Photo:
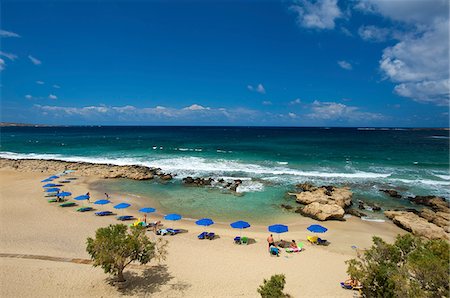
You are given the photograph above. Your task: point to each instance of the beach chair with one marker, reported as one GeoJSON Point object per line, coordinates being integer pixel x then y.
{"type": "Point", "coordinates": [162, 232]}
{"type": "Point", "coordinates": [54, 200]}
{"type": "Point", "coordinates": [67, 204]}
{"type": "Point", "coordinates": [274, 251]}
{"type": "Point", "coordinates": [244, 240]}
{"type": "Point", "coordinates": [84, 209]}
{"type": "Point", "coordinates": [173, 231]}
{"type": "Point", "coordinates": [237, 240]}
{"type": "Point", "coordinates": [210, 236]}
{"type": "Point", "coordinates": [103, 213]}
{"type": "Point", "coordinates": [202, 235]}
{"type": "Point", "coordinates": [125, 217]}
{"type": "Point", "coordinates": [312, 239]}
{"type": "Point", "coordinates": [322, 241]}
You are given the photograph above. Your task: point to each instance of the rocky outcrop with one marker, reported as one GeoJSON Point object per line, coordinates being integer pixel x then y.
{"type": "Point", "coordinates": [134, 172]}
{"type": "Point", "coordinates": [166, 177]}
{"type": "Point", "coordinates": [323, 203]}
{"type": "Point", "coordinates": [436, 203]}
{"type": "Point", "coordinates": [441, 219]}
{"type": "Point", "coordinates": [367, 206]}
{"type": "Point", "coordinates": [320, 211]}
{"type": "Point", "coordinates": [355, 212]}
{"type": "Point", "coordinates": [392, 193]}
{"type": "Point", "coordinates": [287, 207]}
{"type": "Point", "coordinates": [417, 225]}
{"type": "Point", "coordinates": [199, 181]}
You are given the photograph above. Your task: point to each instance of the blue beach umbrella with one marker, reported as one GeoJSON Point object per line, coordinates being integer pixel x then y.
{"type": "Point", "coordinates": [172, 216]}
{"type": "Point", "coordinates": [47, 180]}
{"type": "Point", "coordinates": [147, 210]}
{"type": "Point", "coordinates": [53, 177]}
{"type": "Point", "coordinates": [64, 194]}
{"type": "Point", "coordinates": [278, 228]}
{"type": "Point", "coordinates": [50, 185]}
{"type": "Point", "coordinates": [82, 197]}
{"type": "Point", "coordinates": [317, 229]}
{"type": "Point", "coordinates": [122, 206]}
{"type": "Point", "coordinates": [102, 202]}
{"type": "Point", "coordinates": [204, 222]}
{"type": "Point", "coordinates": [240, 225]}
{"type": "Point", "coordinates": [52, 189]}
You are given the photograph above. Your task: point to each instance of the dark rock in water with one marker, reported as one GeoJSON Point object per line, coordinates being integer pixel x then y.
{"type": "Point", "coordinates": [392, 193]}
{"type": "Point", "coordinates": [166, 177]}
{"type": "Point", "coordinates": [238, 181]}
{"type": "Point", "coordinates": [234, 186]}
{"type": "Point", "coordinates": [287, 207]}
{"type": "Point", "coordinates": [228, 184]}
{"type": "Point", "coordinates": [355, 212]}
{"type": "Point", "coordinates": [305, 186]}
{"type": "Point", "coordinates": [188, 180]}
{"type": "Point", "coordinates": [361, 205]}
{"type": "Point", "coordinates": [298, 210]}
{"type": "Point", "coordinates": [435, 202]}
{"type": "Point", "coordinates": [221, 180]}
{"type": "Point", "coordinates": [375, 207]}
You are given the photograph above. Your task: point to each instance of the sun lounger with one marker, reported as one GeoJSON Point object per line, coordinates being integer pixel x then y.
{"type": "Point", "coordinates": [162, 232]}
{"type": "Point", "coordinates": [210, 236]}
{"type": "Point", "coordinates": [244, 240]}
{"type": "Point", "coordinates": [103, 213]}
{"type": "Point", "coordinates": [173, 231]}
{"type": "Point", "coordinates": [64, 181]}
{"type": "Point", "coordinates": [312, 239]}
{"type": "Point", "coordinates": [202, 235]}
{"type": "Point", "coordinates": [67, 204]}
{"type": "Point", "coordinates": [50, 195]}
{"type": "Point", "coordinates": [54, 200]}
{"type": "Point", "coordinates": [84, 209]}
{"type": "Point", "coordinates": [237, 240]}
{"type": "Point", "coordinates": [125, 217]}
{"type": "Point", "coordinates": [322, 241]}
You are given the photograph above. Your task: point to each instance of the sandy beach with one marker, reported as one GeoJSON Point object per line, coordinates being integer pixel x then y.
{"type": "Point", "coordinates": [39, 241]}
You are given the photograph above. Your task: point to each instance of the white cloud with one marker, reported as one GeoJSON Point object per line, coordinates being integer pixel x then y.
{"type": "Point", "coordinates": [4, 33]}
{"type": "Point", "coordinates": [320, 14]}
{"type": "Point", "coordinates": [346, 32]}
{"type": "Point", "coordinates": [196, 107]}
{"type": "Point", "coordinates": [56, 86]}
{"type": "Point", "coordinates": [259, 88]}
{"type": "Point", "coordinates": [2, 64]}
{"type": "Point", "coordinates": [10, 56]}
{"type": "Point", "coordinates": [292, 115]}
{"type": "Point", "coordinates": [28, 96]}
{"type": "Point", "coordinates": [52, 96]}
{"type": "Point", "coordinates": [345, 65]}
{"type": "Point", "coordinates": [40, 82]}
{"type": "Point", "coordinates": [419, 65]}
{"type": "Point", "coordinates": [338, 111]}
{"type": "Point", "coordinates": [296, 101]}
{"type": "Point", "coordinates": [373, 33]}
{"type": "Point", "coordinates": [267, 103]}
{"type": "Point", "coordinates": [34, 60]}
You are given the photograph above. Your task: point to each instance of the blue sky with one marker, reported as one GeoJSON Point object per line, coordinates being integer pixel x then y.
{"type": "Point", "coordinates": [290, 63]}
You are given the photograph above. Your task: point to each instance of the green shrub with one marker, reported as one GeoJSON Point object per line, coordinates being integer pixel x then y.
{"type": "Point", "coordinates": [410, 267]}
{"type": "Point", "coordinates": [114, 248]}
{"type": "Point", "coordinates": [273, 288]}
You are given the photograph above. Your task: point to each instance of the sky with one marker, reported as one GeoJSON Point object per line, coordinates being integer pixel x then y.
{"type": "Point", "coordinates": [263, 63]}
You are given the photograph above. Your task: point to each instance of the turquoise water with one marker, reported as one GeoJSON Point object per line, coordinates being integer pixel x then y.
{"type": "Point", "coordinates": [270, 161]}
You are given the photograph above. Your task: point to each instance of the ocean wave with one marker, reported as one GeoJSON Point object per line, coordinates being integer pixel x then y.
{"type": "Point", "coordinates": [439, 137]}
{"type": "Point", "coordinates": [445, 177]}
{"type": "Point", "coordinates": [422, 181]}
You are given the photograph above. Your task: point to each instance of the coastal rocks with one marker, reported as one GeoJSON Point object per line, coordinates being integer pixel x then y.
{"type": "Point", "coordinates": [441, 219]}
{"type": "Point", "coordinates": [417, 225]}
{"type": "Point", "coordinates": [166, 177]}
{"type": "Point", "coordinates": [436, 203]}
{"type": "Point", "coordinates": [323, 203]}
{"type": "Point", "coordinates": [392, 193]}
{"type": "Point", "coordinates": [199, 181]}
{"type": "Point", "coordinates": [287, 207]}
{"type": "Point", "coordinates": [368, 206]}
{"type": "Point", "coordinates": [356, 212]}
{"type": "Point", "coordinates": [134, 172]}
{"type": "Point", "coordinates": [323, 212]}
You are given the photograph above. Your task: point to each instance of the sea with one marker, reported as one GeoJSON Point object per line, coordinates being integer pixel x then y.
{"type": "Point", "coordinates": [269, 160]}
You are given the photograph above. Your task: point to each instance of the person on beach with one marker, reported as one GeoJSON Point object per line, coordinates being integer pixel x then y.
{"type": "Point", "coordinates": [145, 219]}
{"type": "Point", "coordinates": [107, 196]}
{"type": "Point", "coordinates": [293, 244]}
{"type": "Point", "coordinates": [270, 240]}
{"type": "Point", "coordinates": [89, 196]}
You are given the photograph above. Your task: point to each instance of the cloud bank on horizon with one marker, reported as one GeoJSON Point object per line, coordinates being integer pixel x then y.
{"type": "Point", "coordinates": [317, 63]}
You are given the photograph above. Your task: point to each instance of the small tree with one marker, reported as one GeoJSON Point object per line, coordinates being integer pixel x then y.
{"type": "Point", "coordinates": [408, 268]}
{"type": "Point", "coordinates": [114, 248]}
{"type": "Point", "coordinates": [273, 288]}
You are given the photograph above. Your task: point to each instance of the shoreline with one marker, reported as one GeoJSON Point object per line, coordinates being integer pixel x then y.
{"type": "Point", "coordinates": [41, 228]}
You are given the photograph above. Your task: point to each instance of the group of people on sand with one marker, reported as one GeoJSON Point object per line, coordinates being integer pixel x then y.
{"type": "Point", "coordinates": [275, 250]}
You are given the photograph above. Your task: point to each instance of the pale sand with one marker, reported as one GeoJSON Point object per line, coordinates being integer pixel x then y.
{"type": "Point", "coordinates": [194, 268]}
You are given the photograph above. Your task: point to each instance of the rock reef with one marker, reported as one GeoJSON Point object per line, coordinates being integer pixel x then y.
{"type": "Point", "coordinates": [323, 203]}
{"type": "Point", "coordinates": [134, 172]}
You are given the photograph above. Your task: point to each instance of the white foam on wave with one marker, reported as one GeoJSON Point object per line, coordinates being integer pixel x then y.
{"type": "Point", "coordinates": [423, 181]}
{"type": "Point", "coordinates": [445, 177]}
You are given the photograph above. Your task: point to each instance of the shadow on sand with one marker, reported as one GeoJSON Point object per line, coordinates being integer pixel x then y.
{"type": "Point", "coordinates": [149, 281]}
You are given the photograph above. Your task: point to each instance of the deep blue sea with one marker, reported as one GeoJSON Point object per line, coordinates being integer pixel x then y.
{"type": "Point", "coordinates": [270, 161]}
